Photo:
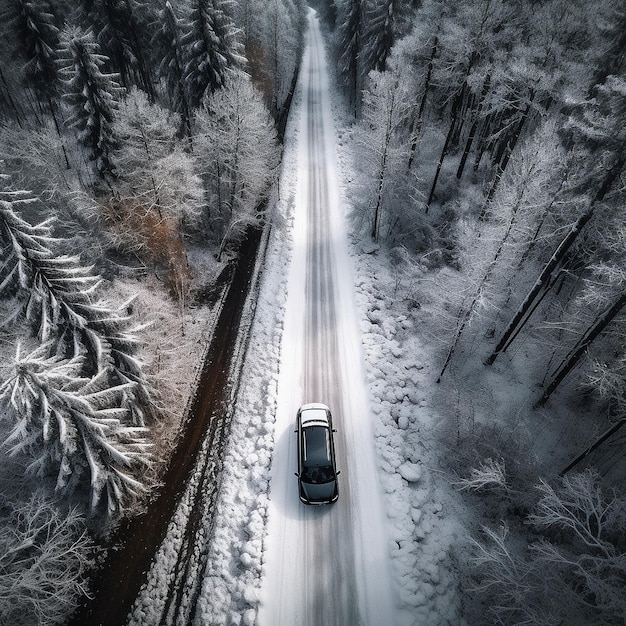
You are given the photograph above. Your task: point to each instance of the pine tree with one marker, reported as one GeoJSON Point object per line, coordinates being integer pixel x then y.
{"type": "Point", "coordinates": [121, 30]}
{"type": "Point", "coordinates": [351, 31]}
{"type": "Point", "coordinates": [212, 49]}
{"type": "Point", "coordinates": [384, 24]}
{"type": "Point", "coordinates": [91, 94]}
{"type": "Point", "coordinates": [34, 26]}
{"type": "Point", "coordinates": [169, 48]}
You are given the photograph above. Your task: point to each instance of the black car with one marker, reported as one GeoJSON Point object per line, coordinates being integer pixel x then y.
{"type": "Point", "coordinates": [317, 473]}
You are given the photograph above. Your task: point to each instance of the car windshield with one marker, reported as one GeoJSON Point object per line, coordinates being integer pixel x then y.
{"type": "Point", "coordinates": [316, 465]}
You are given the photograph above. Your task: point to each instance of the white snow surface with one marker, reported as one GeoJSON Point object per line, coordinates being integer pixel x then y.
{"type": "Point", "coordinates": [405, 518]}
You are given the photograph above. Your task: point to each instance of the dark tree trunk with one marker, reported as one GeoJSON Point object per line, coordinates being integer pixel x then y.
{"type": "Point", "coordinates": [474, 126]}
{"type": "Point", "coordinates": [10, 99]}
{"type": "Point", "coordinates": [416, 122]}
{"type": "Point", "coordinates": [503, 161]}
{"type": "Point", "coordinates": [572, 359]}
{"type": "Point", "coordinates": [541, 285]}
{"type": "Point", "coordinates": [444, 152]}
{"type": "Point", "coordinates": [58, 129]}
{"type": "Point", "coordinates": [596, 444]}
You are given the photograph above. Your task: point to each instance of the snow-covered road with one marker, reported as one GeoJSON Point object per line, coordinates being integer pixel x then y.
{"type": "Point", "coordinates": [326, 565]}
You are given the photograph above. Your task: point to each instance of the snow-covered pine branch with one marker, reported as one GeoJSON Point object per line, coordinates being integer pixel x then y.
{"type": "Point", "coordinates": [57, 296]}
{"type": "Point", "coordinates": [73, 427]}
{"type": "Point", "coordinates": [170, 55]}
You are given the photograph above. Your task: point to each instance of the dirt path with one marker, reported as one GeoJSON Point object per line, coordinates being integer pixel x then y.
{"type": "Point", "coordinates": [118, 581]}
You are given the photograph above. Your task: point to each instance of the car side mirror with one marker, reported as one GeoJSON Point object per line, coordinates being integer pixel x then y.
{"type": "Point", "coordinates": [296, 473]}
{"type": "Point", "coordinates": [337, 473]}
{"type": "Point", "coordinates": [334, 430]}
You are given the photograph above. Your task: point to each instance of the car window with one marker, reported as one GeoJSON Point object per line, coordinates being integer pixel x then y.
{"type": "Point", "coordinates": [316, 448]}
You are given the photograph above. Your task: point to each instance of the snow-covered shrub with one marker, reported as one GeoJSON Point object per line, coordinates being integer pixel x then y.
{"type": "Point", "coordinates": [44, 554]}
{"type": "Point", "coordinates": [573, 573]}
{"type": "Point", "coordinates": [139, 229]}
{"type": "Point", "coordinates": [489, 475]}
{"type": "Point", "coordinates": [152, 166]}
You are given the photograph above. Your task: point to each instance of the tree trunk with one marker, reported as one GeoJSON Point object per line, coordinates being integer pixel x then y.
{"type": "Point", "coordinates": [456, 125]}
{"type": "Point", "coordinates": [599, 441]}
{"type": "Point", "coordinates": [444, 152]}
{"type": "Point", "coordinates": [610, 178]}
{"type": "Point", "coordinates": [572, 359]}
{"type": "Point", "coordinates": [540, 223]}
{"type": "Point", "coordinates": [528, 305]}
{"type": "Point", "coordinates": [10, 99]}
{"type": "Point", "coordinates": [382, 172]}
{"type": "Point", "coordinates": [474, 127]}
{"type": "Point", "coordinates": [479, 291]}
{"type": "Point", "coordinates": [504, 160]}
{"type": "Point", "coordinates": [482, 143]}
{"type": "Point", "coordinates": [416, 122]}
{"type": "Point", "coordinates": [58, 129]}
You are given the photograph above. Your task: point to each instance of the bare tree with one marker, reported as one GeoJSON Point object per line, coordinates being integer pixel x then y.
{"type": "Point", "coordinates": [44, 554]}
{"type": "Point", "coordinates": [238, 137]}
{"type": "Point", "coordinates": [574, 573]}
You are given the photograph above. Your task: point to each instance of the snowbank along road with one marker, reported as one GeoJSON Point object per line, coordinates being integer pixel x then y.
{"type": "Point", "coordinates": [325, 565]}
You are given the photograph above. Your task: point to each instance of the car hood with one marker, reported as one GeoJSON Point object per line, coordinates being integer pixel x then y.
{"type": "Point", "coordinates": [320, 493]}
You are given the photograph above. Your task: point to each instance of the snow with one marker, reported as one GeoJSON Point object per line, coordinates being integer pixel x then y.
{"type": "Point", "coordinates": [422, 521]}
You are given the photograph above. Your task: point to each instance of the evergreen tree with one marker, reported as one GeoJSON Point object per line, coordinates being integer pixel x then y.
{"type": "Point", "coordinates": [169, 48]}
{"type": "Point", "coordinates": [91, 94]}
{"type": "Point", "coordinates": [121, 30]}
{"type": "Point", "coordinates": [350, 35]}
{"type": "Point", "coordinates": [34, 26]}
{"type": "Point", "coordinates": [212, 49]}
{"type": "Point", "coordinates": [385, 22]}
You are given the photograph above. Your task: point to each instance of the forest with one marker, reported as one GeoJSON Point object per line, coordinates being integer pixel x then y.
{"type": "Point", "coordinates": [138, 144]}
{"type": "Point", "coordinates": [140, 139]}
{"type": "Point", "coordinates": [488, 147]}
